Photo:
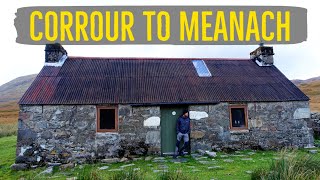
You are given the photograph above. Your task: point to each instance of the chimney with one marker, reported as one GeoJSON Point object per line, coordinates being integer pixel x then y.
{"type": "Point", "coordinates": [263, 55]}
{"type": "Point", "coordinates": [55, 55]}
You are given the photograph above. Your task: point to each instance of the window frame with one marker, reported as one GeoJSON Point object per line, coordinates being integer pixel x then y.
{"type": "Point", "coordinates": [116, 129]}
{"type": "Point", "coordinates": [245, 117]}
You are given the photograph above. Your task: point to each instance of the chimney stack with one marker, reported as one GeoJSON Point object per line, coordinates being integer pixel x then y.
{"type": "Point", "coordinates": [263, 55]}
{"type": "Point", "coordinates": [55, 55]}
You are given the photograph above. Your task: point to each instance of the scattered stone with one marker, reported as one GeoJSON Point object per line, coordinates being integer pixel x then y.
{"type": "Point", "coordinates": [228, 160]}
{"type": "Point", "coordinates": [67, 166]}
{"type": "Point", "coordinates": [127, 165]}
{"type": "Point", "coordinates": [112, 170]}
{"type": "Point", "coordinates": [224, 156]}
{"type": "Point", "coordinates": [238, 155]}
{"type": "Point", "coordinates": [159, 158]}
{"type": "Point", "coordinates": [313, 151]}
{"type": "Point", "coordinates": [137, 159]}
{"type": "Point", "coordinates": [201, 152]}
{"type": "Point", "coordinates": [251, 153]}
{"type": "Point", "coordinates": [54, 164]}
{"type": "Point", "coordinates": [204, 162]}
{"type": "Point", "coordinates": [248, 172]}
{"type": "Point", "coordinates": [34, 166]}
{"type": "Point", "coordinates": [159, 161]}
{"type": "Point", "coordinates": [215, 167]}
{"type": "Point", "coordinates": [238, 152]}
{"type": "Point", "coordinates": [201, 157]}
{"type": "Point", "coordinates": [246, 159]}
{"type": "Point", "coordinates": [163, 167]}
{"type": "Point", "coordinates": [123, 159]}
{"type": "Point", "coordinates": [191, 167]}
{"type": "Point", "coordinates": [103, 167]}
{"type": "Point", "coordinates": [276, 158]}
{"type": "Point", "coordinates": [136, 169]}
{"type": "Point", "coordinates": [110, 160]}
{"type": "Point", "coordinates": [148, 158]}
{"type": "Point", "coordinates": [211, 153]}
{"type": "Point", "coordinates": [49, 170]}
{"type": "Point", "coordinates": [195, 155]}
{"type": "Point", "coordinates": [19, 166]}
{"type": "Point", "coordinates": [180, 160]}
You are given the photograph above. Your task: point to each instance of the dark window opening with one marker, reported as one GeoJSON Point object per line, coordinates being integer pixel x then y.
{"type": "Point", "coordinates": [238, 117]}
{"type": "Point", "coordinates": [107, 120]}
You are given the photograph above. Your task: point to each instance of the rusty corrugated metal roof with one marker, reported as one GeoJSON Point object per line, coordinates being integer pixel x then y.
{"type": "Point", "coordinates": [158, 81]}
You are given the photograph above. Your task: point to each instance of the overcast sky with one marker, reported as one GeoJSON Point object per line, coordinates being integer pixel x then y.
{"type": "Point", "coordinates": [297, 61]}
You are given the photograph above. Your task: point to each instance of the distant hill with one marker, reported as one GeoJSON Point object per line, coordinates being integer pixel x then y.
{"type": "Point", "coordinates": [299, 81]}
{"type": "Point", "coordinates": [311, 87]}
{"type": "Point", "coordinates": [11, 92]}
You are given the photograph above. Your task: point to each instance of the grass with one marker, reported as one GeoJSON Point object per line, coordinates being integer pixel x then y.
{"type": "Point", "coordinates": [190, 170]}
{"type": "Point", "coordinates": [290, 166]}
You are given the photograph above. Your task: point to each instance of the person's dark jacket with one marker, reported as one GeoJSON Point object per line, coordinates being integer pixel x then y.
{"type": "Point", "coordinates": [183, 125]}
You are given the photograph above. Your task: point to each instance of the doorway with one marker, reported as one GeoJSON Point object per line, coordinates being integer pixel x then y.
{"type": "Point", "coordinates": [169, 116]}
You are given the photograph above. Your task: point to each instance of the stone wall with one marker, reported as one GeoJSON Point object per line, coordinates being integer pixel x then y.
{"type": "Point", "coordinates": [270, 126]}
{"type": "Point", "coordinates": [314, 123]}
{"type": "Point", "coordinates": [68, 133]}
{"type": "Point", "coordinates": [50, 134]}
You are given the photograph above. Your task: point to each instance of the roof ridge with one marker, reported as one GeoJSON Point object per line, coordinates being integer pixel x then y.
{"type": "Point", "coordinates": [155, 58]}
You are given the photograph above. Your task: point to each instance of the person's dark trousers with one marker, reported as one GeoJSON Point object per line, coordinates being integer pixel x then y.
{"type": "Point", "coordinates": [185, 138]}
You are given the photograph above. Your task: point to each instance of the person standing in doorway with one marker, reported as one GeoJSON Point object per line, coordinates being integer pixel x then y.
{"type": "Point", "coordinates": [183, 130]}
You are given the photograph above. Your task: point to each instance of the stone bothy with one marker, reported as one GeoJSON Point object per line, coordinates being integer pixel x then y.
{"type": "Point", "coordinates": [85, 109]}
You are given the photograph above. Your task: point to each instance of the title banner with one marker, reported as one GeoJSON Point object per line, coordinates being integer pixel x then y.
{"type": "Point", "coordinates": [181, 25]}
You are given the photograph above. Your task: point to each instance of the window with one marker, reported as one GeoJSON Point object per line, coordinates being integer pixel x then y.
{"type": "Point", "coordinates": [238, 117]}
{"type": "Point", "coordinates": [107, 119]}
{"type": "Point", "coordinates": [201, 68]}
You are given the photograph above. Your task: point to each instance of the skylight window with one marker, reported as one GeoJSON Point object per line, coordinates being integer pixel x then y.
{"type": "Point", "coordinates": [201, 68]}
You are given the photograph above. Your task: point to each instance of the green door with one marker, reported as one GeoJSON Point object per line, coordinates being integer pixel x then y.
{"type": "Point", "coordinates": [169, 116]}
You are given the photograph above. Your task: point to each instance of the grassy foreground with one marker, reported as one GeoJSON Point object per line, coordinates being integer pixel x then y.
{"type": "Point", "coordinates": [238, 165]}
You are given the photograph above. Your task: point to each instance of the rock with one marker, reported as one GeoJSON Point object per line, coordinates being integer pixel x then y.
{"type": "Point", "coordinates": [103, 167]}
{"type": "Point", "coordinates": [201, 157]}
{"type": "Point", "coordinates": [200, 151]}
{"type": "Point", "coordinates": [21, 159]}
{"type": "Point", "coordinates": [180, 160]}
{"type": "Point", "coordinates": [197, 134]}
{"type": "Point", "coordinates": [246, 159]}
{"type": "Point", "coordinates": [159, 158]}
{"type": "Point", "coordinates": [204, 162]}
{"type": "Point", "coordinates": [251, 153]}
{"type": "Point", "coordinates": [211, 153]}
{"type": "Point", "coordinates": [224, 156]}
{"type": "Point", "coordinates": [163, 167]}
{"type": "Point", "coordinates": [159, 161]}
{"type": "Point", "coordinates": [215, 167]}
{"type": "Point", "coordinates": [124, 159]}
{"type": "Point", "coordinates": [148, 158]}
{"type": "Point", "coordinates": [136, 169]}
{"type": "Point", "coordinates": [137, 159]}
{"type": "Point", "coordinates": [192, 167]}
{"type": "Point", "coordinates": [19, 166]}
{"type": "Point", "coordinates": [248, 172]}
{"type": "Point", "coordinates": [313, 151]}
{"type": "Point", "coordinates": [54, 164]}
{"type": "Point", "coordinates": [110, 160]}
{"type": "Point", "coordinates": [67, 166]}
{"type": "Point", "coordinates": [127, 165]}
{"type": "Point", "coordinates": [72, 178]}
{"type": "Point", "coordinates": [228, 160]}
{"type": "Point", "coordinates": [49, 170]}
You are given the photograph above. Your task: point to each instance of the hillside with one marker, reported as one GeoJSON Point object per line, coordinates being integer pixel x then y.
{"type": "Point", "coordinates": [10, 93]}
{"type": "Point", "coordinates": [311, 87]}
